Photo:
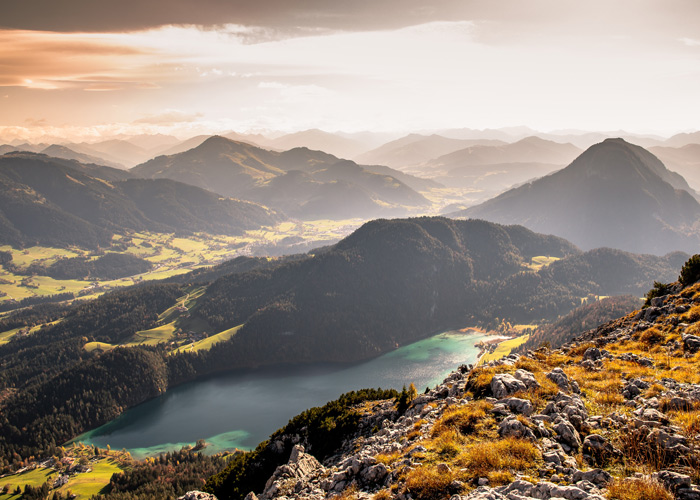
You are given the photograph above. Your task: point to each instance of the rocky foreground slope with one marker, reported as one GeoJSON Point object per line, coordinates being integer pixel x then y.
{"type": "Point", "coordinates": [613, 414]}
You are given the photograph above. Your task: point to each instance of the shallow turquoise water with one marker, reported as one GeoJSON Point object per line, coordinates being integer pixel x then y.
{"type": "Point", "coordinates": [239, 410]}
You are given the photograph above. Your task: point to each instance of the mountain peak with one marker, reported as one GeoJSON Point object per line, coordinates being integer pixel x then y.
{"type": "Point", "coordinates": [603, 198]}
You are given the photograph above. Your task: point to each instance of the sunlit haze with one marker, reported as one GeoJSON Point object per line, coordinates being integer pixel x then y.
{"type": "Point", "coordinates": [186, 69]}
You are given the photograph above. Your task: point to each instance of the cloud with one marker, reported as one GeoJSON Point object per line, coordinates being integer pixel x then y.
{"type": "Point", "coordinates": [41, 60]}
{"type": "Point", "coordinates": [170, 117]}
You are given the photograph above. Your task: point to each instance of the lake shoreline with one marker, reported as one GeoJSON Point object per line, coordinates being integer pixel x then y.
{"type": "Point", "coordinates": [274, 395]}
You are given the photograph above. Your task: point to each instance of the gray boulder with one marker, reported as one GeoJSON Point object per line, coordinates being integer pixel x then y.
{"type": "Point", "coordinates": [512, 427]}
{"type": "Point", "coordinates": [672, 480]}
{"type": "Point", "coordinates": [567, 434]}
{"type": "Point", "coordinates": [599, 449]}
{"type": "Point", "coordinates": [599, 477]}
{"type": "Point", "coordinates": [518, 406]}
{"type": "Point", "coordinates": [505, 384]}
{"type": "Point", "coordinates": [527, 378]}
{"type": "Point", "coordinates": [558, 376]}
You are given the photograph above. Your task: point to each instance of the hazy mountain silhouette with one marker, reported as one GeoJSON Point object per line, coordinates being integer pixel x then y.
{"type": "Point", "coordinates": [342, 147]}
{"type": "Point", "coordinates": [685, 160]}
{"type": "Point", "coordinates": [116, 151]}
{"type": "Point", "coordinates": [680, 140]}
{"type": "Point", "coordinates": [530, 149]}
{"type": "Point", "coordinates": [275, 179]}
{"type": "Point", "coordinates": [66, 153]}
{"type": "Point", "coordinates": [614, 194]}
{"type": "Point", "coordinates": [56, 202]}
{"type": "Point", "coordinates": [414, 149]}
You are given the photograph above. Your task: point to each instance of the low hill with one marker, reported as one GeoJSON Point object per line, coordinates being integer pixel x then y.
{"type": "Point", "coordinates": [315, 184]}
{"type": "Point", "coordinates": [57, 202]}
{"type": "Point", "coordinates": [615, 194]}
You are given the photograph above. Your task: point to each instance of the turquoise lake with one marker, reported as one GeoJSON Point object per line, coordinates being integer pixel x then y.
{"type": "Point", "coordinates": [239, 410]}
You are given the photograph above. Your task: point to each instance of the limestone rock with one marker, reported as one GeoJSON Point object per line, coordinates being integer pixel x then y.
{"type": "Point", "coordinates": [505, 384]}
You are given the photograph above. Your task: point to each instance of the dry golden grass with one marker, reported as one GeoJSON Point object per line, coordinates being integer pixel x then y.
{"type": "Point", "coordinates": [637, 489]}
{"type": "Point", "coordinates": [479, 382]}
{"type": "Point", "coordinates": [692, 315]}
{"type": "Point", "coordinates": [493, 459]}
{"type": "Point", "coordinates": [448, 444]}
{"type": "Point", "coordinates": [384, 494]}
{"type": "Point", "coordinates": [426, 483]}
{"type": "Point", "coordinates": [693, 329]}
{"type": "Point", "coordinates": [652, 336]}
{"type": "Point", "coordinates": [540, 395]}
{"type": "Point", "coordinates": [388, 458]}
{"type": "Point", "coordinates": [655, 390]}
{"type": "Point", "coordinates": [466, 419]}
{"type": "Point", "coordinates": [528, 364]}
{"type": "Point", "coordinates": [689, 421]}
{"type": "Point", "coordinates": [580, 349]}
{"type": "Point", "coordinates": [690, 291]}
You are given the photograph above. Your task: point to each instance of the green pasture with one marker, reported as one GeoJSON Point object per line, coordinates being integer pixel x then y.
{"type": "Point", "coordinates": [93, 482]}
{"type": "Point", "coordinates": [206, 344]}
{"type": "Point", "coordinates": [34, 478]}
{"type": "Point", "coordinates": [537, 263]}
{"type": "Point", "coordinates": [153, 336]}
{"type": "Point", "coordinates": [97, 346]}
{"type": "Point", "coordinates": [504, 348]}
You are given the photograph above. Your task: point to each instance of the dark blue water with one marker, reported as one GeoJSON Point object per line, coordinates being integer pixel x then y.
{"type": "Point", "coordinates": [242, 409]}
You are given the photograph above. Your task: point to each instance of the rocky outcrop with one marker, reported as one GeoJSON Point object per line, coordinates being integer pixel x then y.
{"type": "Point", "coordinates": [197, 495]}
{"type": "Point", "coordinates": [575, 445]}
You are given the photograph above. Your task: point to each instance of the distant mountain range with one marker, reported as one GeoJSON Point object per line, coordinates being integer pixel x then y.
{"type": "Point", "coordinates": [55, 202]}
{"type": "Point", "coordinates": [685, 160]}
{"type": "Point", "coordinates": [614, 194]}
{"type": "Point", "coordinates": [415, 149]}
{"type": "Point", "coordinates": [301, 182]}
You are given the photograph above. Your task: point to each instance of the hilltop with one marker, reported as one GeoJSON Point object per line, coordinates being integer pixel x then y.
{"type": "Point", "coordinates": [615, 194]}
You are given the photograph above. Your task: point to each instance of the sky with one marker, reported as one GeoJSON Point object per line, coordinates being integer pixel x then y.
{"type": "Point", "coordinates": [90, 69]}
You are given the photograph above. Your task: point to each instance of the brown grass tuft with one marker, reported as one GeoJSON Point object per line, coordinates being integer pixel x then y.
{"type": "Point", "coordinates": [494, 459]}
{"type": "Point", "coordinates": [426, 483]}
{"type": "Point", "coordinates": [384, 494]}
{"type": "Point", "coordinates": [652, 336]}
{"type": "Point", "coordinates": [465, 419]}
{"type": "Point", "coordinates": [637, 489]}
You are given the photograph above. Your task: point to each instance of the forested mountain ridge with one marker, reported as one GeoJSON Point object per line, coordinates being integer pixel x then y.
{"type": "Point", "coordinates": [62, 203]}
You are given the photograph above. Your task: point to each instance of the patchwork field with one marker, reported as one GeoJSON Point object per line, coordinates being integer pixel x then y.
{"type": "Point", "coordinates": [170, 255]}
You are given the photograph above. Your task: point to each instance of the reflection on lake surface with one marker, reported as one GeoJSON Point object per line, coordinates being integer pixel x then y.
{"type": "Point", "coordinates": [239, 410]}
